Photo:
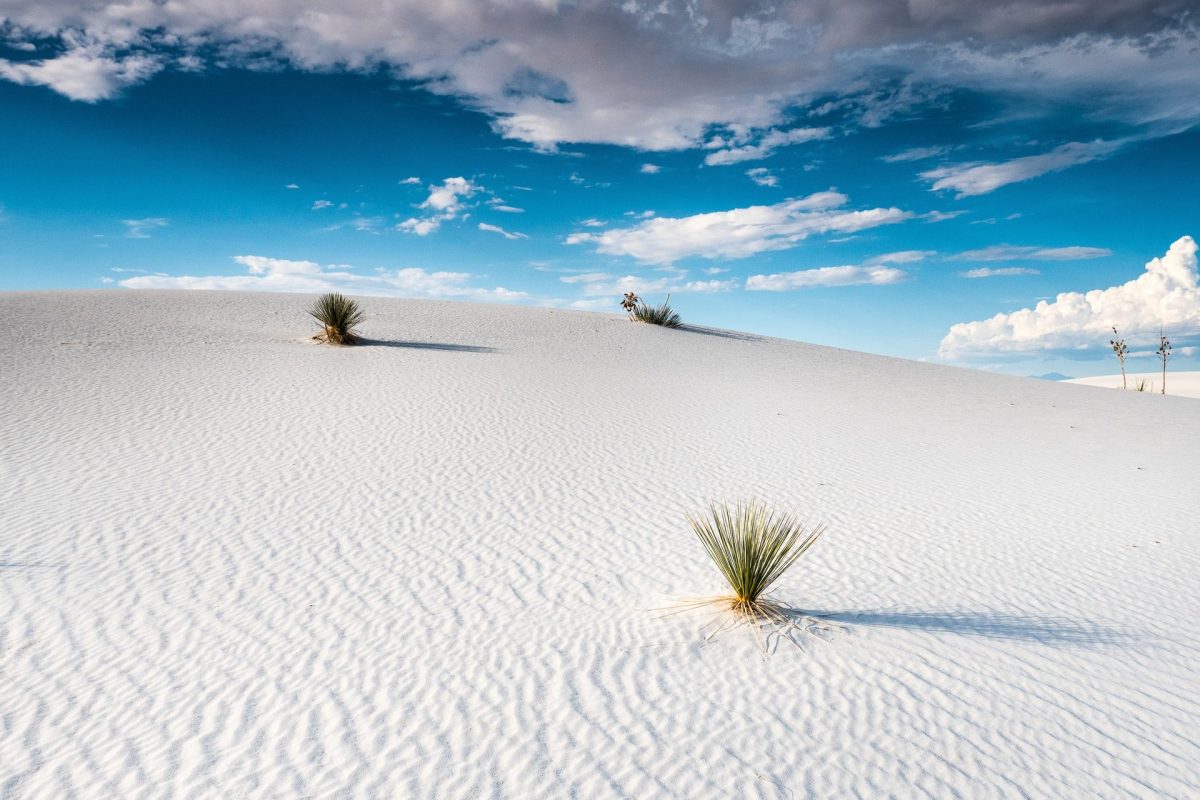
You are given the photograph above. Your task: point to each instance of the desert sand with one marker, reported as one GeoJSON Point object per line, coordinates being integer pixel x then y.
{"type": "Point", "coordinates": [1179, 384]}
{"type": "Point", "coordinates": [237, 563]}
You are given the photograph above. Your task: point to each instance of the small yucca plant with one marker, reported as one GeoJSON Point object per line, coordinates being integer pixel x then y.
{"type": "Point", "coordinates": [641, 311]}
{"type": "Point", "coordinates": [338, 315]}
{"type": "Point", "coordinates": [752, 547]}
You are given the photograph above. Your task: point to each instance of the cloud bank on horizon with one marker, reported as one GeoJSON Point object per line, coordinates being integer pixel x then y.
{"type": "Point", "coordinates": [719, 74]}
{"type": "Point", "coordinates": [1166, 294]}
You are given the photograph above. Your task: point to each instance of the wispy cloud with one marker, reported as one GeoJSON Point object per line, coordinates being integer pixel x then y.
{"type": "Point", "coordinates": [602, 284]}
{"type": "Point", "coordinates": [1166, 294]}
{"type": "Point", "coordinates": [918, 154]}
{"type": "Point", "coordinates": [292, 186]}
{"type": "Point", "coordinates": [764, 147]}
{"type": "Point", "coordinates": [650, 169]}
{"type": "Point", "coordinates": [411, 181]}
{"type": "Point", "coordinates": [987, 272]}
{"type": "Point", "coordinates": [319, 204]}
{"type": "Point", "coordinates": [142, 228]}
{"type": "Point", "coordinates": [875, 272]}
{"type": "Point", "coordinates": [266, 274]}
{"type": "Point", "coordinates": [739, 232]}
{"type": "Point", "coordinates": [483, 226]}
{"type": "Point", "coordinates": [1011, 252]}
{"type": "Point", "coordinates": [977, 178]}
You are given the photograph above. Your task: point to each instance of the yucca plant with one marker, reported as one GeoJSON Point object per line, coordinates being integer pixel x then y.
{"type": "Point", "coordinates": [752, 546]}
{"type": "Point", "coordinates": [663, 315]}
{"type": "Point", "coordinates": [338, 316]}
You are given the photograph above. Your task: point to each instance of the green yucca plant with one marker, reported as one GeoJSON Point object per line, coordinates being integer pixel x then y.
{"type": "Point", "coordinates": [752, 547]}
{"type": "Point", "coordinates": [338, 316]}
{"type": "Point", "coordinates": [663, 315]}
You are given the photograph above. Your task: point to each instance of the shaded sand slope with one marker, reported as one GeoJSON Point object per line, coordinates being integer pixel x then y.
{"type": "Point", "coordinates": [237, 564]}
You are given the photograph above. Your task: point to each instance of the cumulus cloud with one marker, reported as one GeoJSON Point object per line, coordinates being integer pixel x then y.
{"type": "Point", "coordinates": [1165, 293]}
{"type": "Point", "coordinates": [446, 201]}
{"type": "Point", "coordinates": [875, 271]}
{"type": "Point", "coordinates": [483, 226]}
{"type": "Point", "coordinates": [286, 275]}
{"type": "Point", "coordinates": [142, 228]}
{"type": "Point", "coordinates": [739, 232]}
{"type": "Point", "coordinates": [1010, 252]}
{"type": "Point", "coordinates": [663, 75]}
{"type": "Point", "coordinates": [975, 178]}
{"type": "Point", "coordinates": [766, 145]}
{"type": "Point", "coordinates": [987, 272]}
{"type": "Point", "coordinates": [762, 176]}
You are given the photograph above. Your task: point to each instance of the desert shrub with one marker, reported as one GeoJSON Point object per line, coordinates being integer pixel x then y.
{"type": "Point", "coordinates": [752, 546]}
{"type": "Point", "coordinates": [641, 311]}
{"type": "Point", "coordinates": [338, 316]}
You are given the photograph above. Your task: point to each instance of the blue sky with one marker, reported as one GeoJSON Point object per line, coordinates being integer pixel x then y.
{"type": "Point", "coordinates": [850, 178]}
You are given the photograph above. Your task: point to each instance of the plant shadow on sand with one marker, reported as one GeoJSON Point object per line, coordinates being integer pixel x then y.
{"type": "Point", "coordinates": [741, 337]}
{"type": "Point", "coordinates": [456, 348]}
{"type": "Point", "coordinates": [1055, 631]}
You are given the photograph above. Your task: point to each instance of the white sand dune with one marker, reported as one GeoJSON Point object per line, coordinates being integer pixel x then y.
{"type": "Point", "coordinates": [1179, 384]}
{"type": "Point", "coordinates": [234, 563]}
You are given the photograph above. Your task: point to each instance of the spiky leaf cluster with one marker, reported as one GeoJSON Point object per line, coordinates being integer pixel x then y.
{"type": "Point", "coordinates": [752, 546]}
{"type": "Point", "coordinates": [338, 316]}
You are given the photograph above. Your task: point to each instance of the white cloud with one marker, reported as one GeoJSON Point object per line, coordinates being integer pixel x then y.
{"type": "Point", "coordinates": [412, 180]}
{"type": "Point", "coordinates": [83, 72]}
{"type": "Point", "coordinates": [941, 216]}
{"type": "Point", "coordinates": [141, 228]}
{"type": "Point", "coordinates": [766, 146]}
{"type": "Point", "coordinates": [483, 226]}
{"type": "Point", "coordinates": [508, 209]}
{"type": "Point", "coordinates": [292, 186]}
{"type": "Point", "coordinates": [917, 154]}
{"type": "Point", "coordinates": [824, 276]}
{"type": "Point", "coordinates": [596, 284]}
{"type": "Point", "coordinates": [900, 257]}
{"type": "Point", "coordinates": [987, 272]}
{"type": "Point", "coordinates": [651, 169]}
{"type": "Point", "coordinates": [762, 176]}
{"type": "Point", "coordinates": [975, 178]}
{"type": "Point", "coordinates": [1009, 252]}
{"type": "Point", "coordinates": [319, 204]}
{"type": "Point", "coordinates": [1165, 293]}
{"type": "Point", "coordinates": [739, 232]}
{"type": "Point", "coordinates": [286, 275]}
{"type": "Point", "coordinates": [656, 76]}
{"type": "Point", "coordinates": [874, 271]}
{"type": "Point", "coordinates": [445, 202]}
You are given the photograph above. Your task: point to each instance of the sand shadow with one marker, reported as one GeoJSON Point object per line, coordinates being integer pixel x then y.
{"type": "Point", "coordinates": [28, 565]}
{"type": "Point", "coordinates": [741, 337]}
{"type": "Point", "coordinates": [984, 624]}
{"type": "Point", "coordinates": [455, 348]}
